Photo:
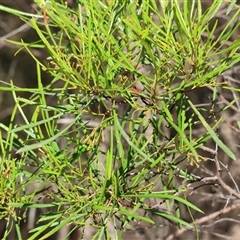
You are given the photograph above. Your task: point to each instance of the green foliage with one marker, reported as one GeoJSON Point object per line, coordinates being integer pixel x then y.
{"type": "Point", "coordinates": [96, 52]}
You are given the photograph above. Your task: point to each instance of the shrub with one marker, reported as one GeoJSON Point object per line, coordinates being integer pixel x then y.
{"type": "Point", "coordinates": [115, 129]}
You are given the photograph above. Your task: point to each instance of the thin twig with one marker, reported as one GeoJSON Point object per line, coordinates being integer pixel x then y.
{"type": "Point", "coordinates": [222, 183]}
{"type": "Point", "coordinates": [204, 219]}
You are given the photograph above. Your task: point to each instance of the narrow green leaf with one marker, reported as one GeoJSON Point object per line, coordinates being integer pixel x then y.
{"type": "Point", "coordinates": [173, 218]}
{"type": "Point", "coordinates": [212, 133]}
{"type": "Point", "coordinates": [164, 195]}
{"type": "Point", "coordinates": [231, 6]}
{"type": "Point", "coordinates": [18, 13]}
{"type": "Point", "coordinates": [49, 140]}
{"type": "Point", "coordinates": [124, 134]}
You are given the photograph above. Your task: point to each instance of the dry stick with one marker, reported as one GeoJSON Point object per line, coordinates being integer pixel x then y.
{"type": "Point", "coordinates": [218, 175]}
{"type": "Point", "coordinates": [217, 213]}
{"type": "Point", "coordinates": [222, 183]}
{"type": "Point", "coordinates": [203, 220]}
